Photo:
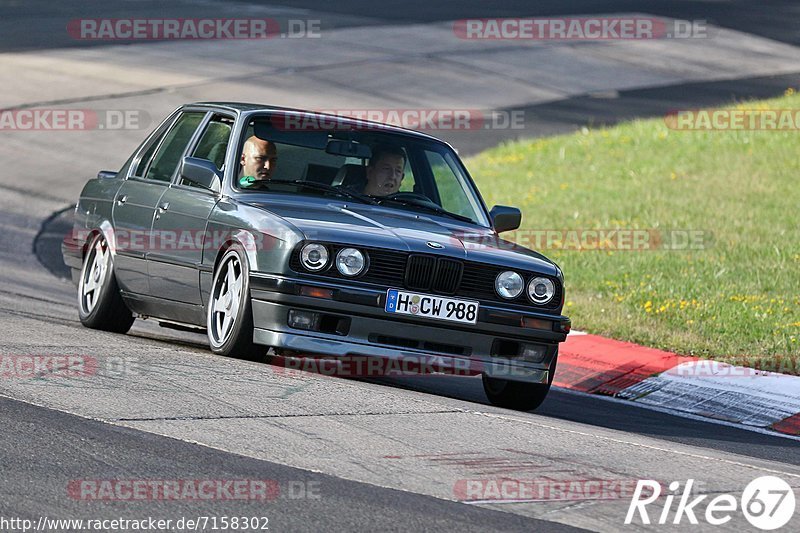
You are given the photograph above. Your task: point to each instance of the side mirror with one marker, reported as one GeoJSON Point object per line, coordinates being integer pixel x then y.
{"type": "Point", "coordinates": [201, 172]}
{"type": "Point", "coordinates": [505, 218]}
{"type": "Point", "coordinates": [107, 174]}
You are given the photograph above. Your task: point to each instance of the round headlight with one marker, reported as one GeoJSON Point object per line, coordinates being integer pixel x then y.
{"type": "Point", "coordinates": [509, 284]}
{"type": "Point", "coordinates": [541, 290]}
{"type": "Point", "coordinates": [314, 256]}
{"type": "Point", "coordinates": [350, 262]}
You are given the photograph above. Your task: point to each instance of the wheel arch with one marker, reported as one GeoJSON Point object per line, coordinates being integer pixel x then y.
{"type": "Point", "coordinates": [107, 230]}
{"type": "Point", "coordinates": [246, 241]}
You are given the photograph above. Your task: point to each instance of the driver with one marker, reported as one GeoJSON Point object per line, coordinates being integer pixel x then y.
{"type": "Point", "coordinates": [259, 159]}
{"type": "Point", "coordinates": [385, 170]}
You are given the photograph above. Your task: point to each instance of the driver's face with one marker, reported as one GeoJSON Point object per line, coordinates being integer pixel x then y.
{"type": "Point", "coordinates": [385, 175]}
{"type": "Point", "coordinates": [259, 160]}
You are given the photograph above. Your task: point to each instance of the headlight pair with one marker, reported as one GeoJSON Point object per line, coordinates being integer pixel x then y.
{"type": "Point", "coordinates": [349, 261]}
{"type": "Point", "coordinates": [509, 285]}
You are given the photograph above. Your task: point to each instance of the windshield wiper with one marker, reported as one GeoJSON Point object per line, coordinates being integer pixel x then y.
{"type": "Point", "coordinates": [425, 205]}
{"type": "Point", "coordinates": [326, 188]}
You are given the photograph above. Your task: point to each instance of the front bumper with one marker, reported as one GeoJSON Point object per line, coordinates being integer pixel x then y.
{"type": "Point", "coordinates": [357, 325]}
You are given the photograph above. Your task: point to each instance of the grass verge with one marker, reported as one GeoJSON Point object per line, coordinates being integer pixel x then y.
{"type": "Point", "coordinates": [733, 292]}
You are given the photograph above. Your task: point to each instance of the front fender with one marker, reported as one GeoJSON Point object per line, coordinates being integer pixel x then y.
{"type": "Point", "coordinates": [267, 239]}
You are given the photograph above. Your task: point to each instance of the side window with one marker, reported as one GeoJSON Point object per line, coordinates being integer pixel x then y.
{"type": "Point", "coordinates": [214, 141]}
{"type": "Point", "coordinates": [450, 185]}
{"type": "Point", "coordinates": [408, 184]}
{"type": "Point", "coordinates": [147, 155]}
{"type": "Point", "coordinates": [168, 156]}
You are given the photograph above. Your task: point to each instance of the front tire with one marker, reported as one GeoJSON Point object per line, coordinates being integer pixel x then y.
{"type": "Point", "coordinates": [100, 305]}
{"type": "Point", "coordinates": [518, 395]}
{"type": "Point", "coordinates": [229, 318]}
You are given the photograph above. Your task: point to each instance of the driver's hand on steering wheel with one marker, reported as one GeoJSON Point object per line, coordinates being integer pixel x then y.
{"type": "Point", "coordinates": [251, 182]}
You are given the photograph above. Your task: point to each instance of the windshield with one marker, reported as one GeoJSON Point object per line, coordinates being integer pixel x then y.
{"type": "Point", "coordinates": [369, 166]}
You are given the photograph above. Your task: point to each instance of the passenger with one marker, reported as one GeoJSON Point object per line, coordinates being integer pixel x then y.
{"type": "Point", "coordinates": [385, 170]}
{"type": "Point", "coordinates": [259, 159]}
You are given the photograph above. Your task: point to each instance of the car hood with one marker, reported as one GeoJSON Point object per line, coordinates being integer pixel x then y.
{"type": "Point", "coordinates": [411, 231]}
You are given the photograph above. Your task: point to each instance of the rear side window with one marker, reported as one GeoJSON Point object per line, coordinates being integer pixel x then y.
{"type": "Point", "coordinates": [169, 154]}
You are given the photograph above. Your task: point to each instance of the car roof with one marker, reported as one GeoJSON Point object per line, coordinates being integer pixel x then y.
{"type": "Point", "coordinates": [242, 107]}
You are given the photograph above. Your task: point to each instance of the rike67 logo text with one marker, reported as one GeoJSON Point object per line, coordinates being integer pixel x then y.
{"type": "Point", "coordinates": [767, 502]}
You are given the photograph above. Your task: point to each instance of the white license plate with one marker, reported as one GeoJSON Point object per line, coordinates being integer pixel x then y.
{"type": "Point", "coordinates": [429, 306]}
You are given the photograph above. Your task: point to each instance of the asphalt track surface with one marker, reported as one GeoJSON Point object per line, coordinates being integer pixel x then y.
{"type": "Point", "coordinates": [75, 448]}
{"type": "Point", "coordinates": [39, 24]}
{"type": "Point", "coordinates": [377, 449]}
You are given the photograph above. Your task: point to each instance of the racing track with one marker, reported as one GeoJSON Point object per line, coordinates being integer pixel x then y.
{"type": "Point", "coordinates": [386, 453]}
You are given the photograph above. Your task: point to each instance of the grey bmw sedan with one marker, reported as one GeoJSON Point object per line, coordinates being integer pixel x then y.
{"type": "Point", "coordinates": [319, 235]}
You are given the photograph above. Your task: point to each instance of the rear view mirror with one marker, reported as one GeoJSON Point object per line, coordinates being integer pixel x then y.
{"type": "Point", "coordinates": [505, 218]}
{"type": "Point", "coordinates": [348, 149]}
{"type": "Point", "coordinates": [201, 172]}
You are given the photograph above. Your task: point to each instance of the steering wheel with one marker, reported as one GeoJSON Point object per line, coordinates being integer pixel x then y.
{"type": "Point", "coordinates": [406, 195]}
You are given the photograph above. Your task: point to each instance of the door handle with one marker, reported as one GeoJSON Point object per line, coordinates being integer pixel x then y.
{"type": "Point", "coordinates": [162, 207]}
{"type": "Point", "coordinates": [122, 199]}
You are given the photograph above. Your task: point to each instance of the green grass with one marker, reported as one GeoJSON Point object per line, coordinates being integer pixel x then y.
{"type": "Point", "coordinates": [739, 296]}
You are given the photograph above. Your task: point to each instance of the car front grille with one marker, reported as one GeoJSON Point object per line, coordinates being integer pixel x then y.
{"type": "Point", "coordinates": [385, 267]}
{"type": "Point", "coordinates": [431, 273]}
{"type": "Point", "coordinates": [448, 276]}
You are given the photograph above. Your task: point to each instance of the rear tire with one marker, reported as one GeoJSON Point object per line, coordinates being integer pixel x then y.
{"type": "Point", "coordinates": [229, 315]}
{"type": "Point", "coordinates": [518, 395]}
{"type": "Point", "coordinates": [100, 305]}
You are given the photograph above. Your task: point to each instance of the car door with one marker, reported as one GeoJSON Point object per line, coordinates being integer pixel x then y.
{"type": "Point", "coordinates": [136, 201]}
{"type": "Point", "coordinates": [182, 216]}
